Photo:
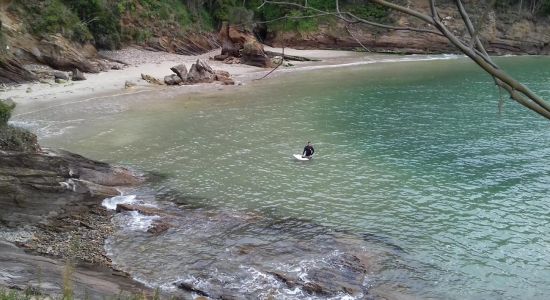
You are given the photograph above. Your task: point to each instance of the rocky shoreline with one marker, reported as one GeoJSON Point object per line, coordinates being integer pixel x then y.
{"type": "Point", "coordinates": [51, 202]}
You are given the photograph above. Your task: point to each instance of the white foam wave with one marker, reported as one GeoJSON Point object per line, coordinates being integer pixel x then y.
{"type": "Point", "coordinates": [111, 203]}
{"type": "Point", "coordinates": [410, 58]}
{"type": "Point", "coordinates": [139, 222]}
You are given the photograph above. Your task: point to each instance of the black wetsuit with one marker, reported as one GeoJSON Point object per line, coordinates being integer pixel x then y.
{"type": "Point", "coordinates": [308, 151]}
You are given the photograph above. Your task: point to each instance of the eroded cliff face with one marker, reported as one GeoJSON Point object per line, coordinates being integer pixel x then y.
{"type": "Point", "coordinates": [503, 32]}
{"type": "Point", "coordinates": [20, 47]}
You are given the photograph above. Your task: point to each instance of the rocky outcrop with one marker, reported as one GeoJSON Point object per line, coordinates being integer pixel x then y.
{"type": "Point", "coordinates": [25, 271]}
{"type": "Point", "coordinates": [172, 79]}
{"type": "Point", "coordinates": [189, 44]}
{"type": "Point", "coordinates": [77, 75]}
{"type": "Point", "coordinates": [240, 43]}
{"type": "Point", "coordinates": [504, 32]}
{"type": "Point", "coordinates": [326, 283]}
{"type": "Point", "coordinates": [11, 71]}
{"type": "Point", "coordinates": [17, 139]}
{"type": "Point", "coordinates": [33, 184]}
{"type": "Point", "coordinates": [61, 54]}
{"type": "Point", "coordinates": [199, 72]}
{"type": "Point", "coordinates": [180, 70]}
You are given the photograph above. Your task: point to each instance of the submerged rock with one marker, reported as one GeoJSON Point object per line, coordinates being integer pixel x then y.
{"type": "Point", "coordinates": [145, 210]}
{"type": "Point", "coordinates": [159, 226]}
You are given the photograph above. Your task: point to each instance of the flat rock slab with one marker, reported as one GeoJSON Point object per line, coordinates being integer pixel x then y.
{"type": "Point", "coordinates": [20, 270]}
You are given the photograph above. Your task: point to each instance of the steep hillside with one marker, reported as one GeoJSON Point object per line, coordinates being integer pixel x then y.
{"type": "Point", "coordinates": [66, 34]}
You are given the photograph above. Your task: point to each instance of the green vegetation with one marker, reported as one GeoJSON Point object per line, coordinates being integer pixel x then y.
{"type": "Point", "coordinates": [369, 11]}
{"type": "Point", "coordinates": [532, 7]}
{"type": "Point", "coordinates": [299, 21]}
{"type": "Point", "coordinates": [51, 17]}
{"type": "Point", "coordinates": [13, 138]}
{"type": "Point", "coordinates": [13, 295]}
{"type": "Point", "coordinates": [99, 19]}
{"type": "Point", "coordinates": [5, 112]}
{"type": "Point", "coordinates": [2, 41]}
{"type": "Point", "coordinates": [109, 24]}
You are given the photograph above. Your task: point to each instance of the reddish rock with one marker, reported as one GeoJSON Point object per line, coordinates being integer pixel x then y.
{"type": "Point", "coordinates": [242, 44]}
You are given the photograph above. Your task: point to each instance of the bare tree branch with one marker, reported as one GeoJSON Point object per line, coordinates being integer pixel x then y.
{"type": "Point", "coordinates": [361, 20]}
{"type": "Point", "coordinates": [471, 30]}
{"type": "Point", "coordinates": [341, 16]}
{"type": "Point", "coordinates": [356, 39]}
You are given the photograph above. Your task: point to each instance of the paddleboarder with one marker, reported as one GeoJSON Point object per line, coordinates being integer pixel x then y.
{"type": "Point", "coordinates": [308, 151]}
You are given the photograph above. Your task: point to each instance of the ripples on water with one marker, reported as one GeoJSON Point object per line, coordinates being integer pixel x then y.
{"type": "Point", "coordinates": [410, 156]}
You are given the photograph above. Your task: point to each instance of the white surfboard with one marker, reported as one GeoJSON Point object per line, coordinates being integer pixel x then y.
{"type": "Point", "coordinates": [299, 157]}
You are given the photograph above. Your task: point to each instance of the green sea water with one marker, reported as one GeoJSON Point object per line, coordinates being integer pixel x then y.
{"type": "Point", "coordinates": [415, 153]}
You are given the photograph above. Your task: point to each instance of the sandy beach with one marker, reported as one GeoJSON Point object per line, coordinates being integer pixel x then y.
{"type": "Point", "coordinates": [157, 64]}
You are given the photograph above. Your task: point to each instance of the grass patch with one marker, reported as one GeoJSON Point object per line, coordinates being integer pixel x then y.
{"type": "Point", "coordinates": [369, 11]}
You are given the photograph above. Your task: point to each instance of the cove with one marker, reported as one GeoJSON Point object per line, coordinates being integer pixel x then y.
{"type": "Point", "coordinates": [413, 159]}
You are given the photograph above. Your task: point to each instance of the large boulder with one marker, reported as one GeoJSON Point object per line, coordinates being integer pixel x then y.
{"type": "Point", "coordinates": [224, 77]}
{"type": "Point", "coordinates": [58, 53]}
{"type": "Point", "coordinates": [238, 42]}
{"type": "Point", "coordinates": [172, 79]}
{"type": "Point", "coordinates": [181, 71]}
{"type": "Point", "coordinates": [78, 75]}
{"type": "Point", "coordinates": [253, 54]}
{"type": "Point", "coordinates": [200, 72]}
{"type": "Point", "coordinates": [11, 71]}
{"type": "Point", "coordinates": [17, 139]}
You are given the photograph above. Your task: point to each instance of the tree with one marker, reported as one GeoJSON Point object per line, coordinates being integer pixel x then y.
{"type": "Point", "coordinates": [471, 46]}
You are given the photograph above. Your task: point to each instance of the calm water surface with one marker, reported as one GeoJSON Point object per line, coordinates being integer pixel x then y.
{"type": "Point", "coordinates": [414, 154]}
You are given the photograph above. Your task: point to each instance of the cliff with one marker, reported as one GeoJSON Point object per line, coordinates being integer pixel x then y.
{"type": "Point", "coordinates": [504, 30]}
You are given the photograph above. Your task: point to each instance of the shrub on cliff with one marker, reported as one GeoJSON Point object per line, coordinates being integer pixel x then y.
{"type": "Point", "coordinates": [6, 108]}
{"type": "Point", "coordinates": [13, 138]}
{"type": "Point", "coordinates": [50, 17]}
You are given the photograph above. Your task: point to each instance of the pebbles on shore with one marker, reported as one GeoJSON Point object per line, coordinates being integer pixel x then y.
{"type": "Point", "coordinates": [78, 236]}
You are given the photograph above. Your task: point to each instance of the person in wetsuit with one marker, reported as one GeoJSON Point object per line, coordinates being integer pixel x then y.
{"type": "Point", "coordinates": [308, 151]}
